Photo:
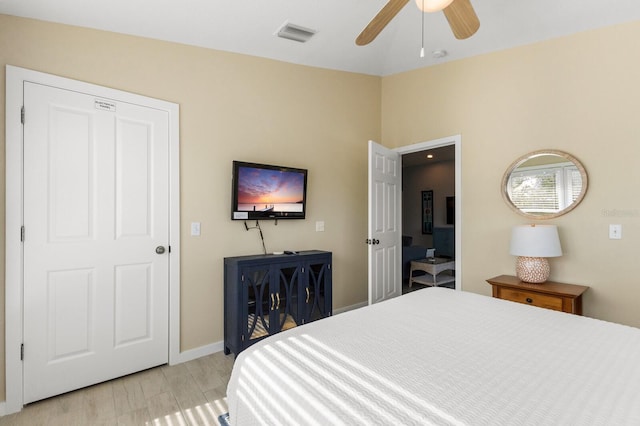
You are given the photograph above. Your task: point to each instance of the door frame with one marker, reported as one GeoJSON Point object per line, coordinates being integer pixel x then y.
{"type": "Point", "coordinates": [14, 261]}
{"type": "Point", "coordinates": [455, 140]}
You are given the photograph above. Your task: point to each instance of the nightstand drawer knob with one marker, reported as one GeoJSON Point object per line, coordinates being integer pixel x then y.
{"type": "Point", "coordinates": [529, 300]}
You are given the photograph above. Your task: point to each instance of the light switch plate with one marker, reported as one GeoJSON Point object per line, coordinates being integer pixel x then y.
{"type": "Point", "coordinates": [320, 226]}
{"type": "Point", "coordinates": [195, 229]}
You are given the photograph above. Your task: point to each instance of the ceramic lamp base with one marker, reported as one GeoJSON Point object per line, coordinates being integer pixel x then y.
{"type": "Point", "coordinates": [532, 269]}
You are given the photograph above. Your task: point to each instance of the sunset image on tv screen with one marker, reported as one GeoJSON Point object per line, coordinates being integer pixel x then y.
{"type": "Point", "coordinates": [270, 190]}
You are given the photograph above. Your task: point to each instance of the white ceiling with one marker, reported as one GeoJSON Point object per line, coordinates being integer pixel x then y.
{"type": "Point", "coordinates": [248, 26]}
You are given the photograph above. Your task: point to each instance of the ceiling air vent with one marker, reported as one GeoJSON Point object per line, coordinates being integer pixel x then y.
{"type": "Point", "coordinates": [295, 32]}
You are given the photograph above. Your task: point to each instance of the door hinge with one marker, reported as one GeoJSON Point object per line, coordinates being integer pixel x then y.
{"type": "Point", "coordinates": [169, 247]}
{"type": "Point", "coordinates": [21, 351]}
{"type": "Point", "coordinates": [22, 233]}
{"type": "Point", "coordinates": [22, 114]}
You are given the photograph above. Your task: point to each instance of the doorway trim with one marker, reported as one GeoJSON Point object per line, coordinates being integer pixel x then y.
{"type": "Point", "coordinates": [455, 140]}
{"type": "Point", "coordinates": [14, 213]}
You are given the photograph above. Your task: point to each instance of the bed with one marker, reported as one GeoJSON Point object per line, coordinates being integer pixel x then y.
{"type": "Point", "coordinates": [442, 357]}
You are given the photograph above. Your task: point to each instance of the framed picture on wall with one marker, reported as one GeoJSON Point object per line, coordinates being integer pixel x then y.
{"type": "Point", "coordinates": [427, 212]}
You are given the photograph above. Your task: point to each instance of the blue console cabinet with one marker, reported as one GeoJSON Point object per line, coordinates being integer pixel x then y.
{"type": "Point", "coordinates": [266, 294]}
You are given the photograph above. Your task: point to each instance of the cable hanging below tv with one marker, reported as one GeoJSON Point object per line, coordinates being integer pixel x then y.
{"type": "Point", "coordinates": [263, 191]}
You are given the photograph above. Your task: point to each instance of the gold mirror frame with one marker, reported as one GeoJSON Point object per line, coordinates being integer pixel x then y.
{"type": "Point", "coordinates": [520, 161]}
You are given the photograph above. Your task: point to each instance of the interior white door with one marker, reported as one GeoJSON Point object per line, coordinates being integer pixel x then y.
{"type": "Point", "coordinates": [96, 207]}
{"type": "Point", "coordinates": [384, 233]}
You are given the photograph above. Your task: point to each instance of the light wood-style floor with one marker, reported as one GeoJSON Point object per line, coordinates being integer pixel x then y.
{"type": "Point", "coordinates": [188, 394]}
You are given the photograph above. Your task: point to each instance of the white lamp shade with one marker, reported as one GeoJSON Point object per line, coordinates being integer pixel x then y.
{"type": "Point", "coordinates": [535, 241]}
{"type": "Point", "coordinates": [432, 5]}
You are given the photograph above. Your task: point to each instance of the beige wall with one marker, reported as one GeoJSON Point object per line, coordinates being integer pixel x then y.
{"type": "Point", "coordinates": [579, 94]}
{"type": "Point", "coordinates": [232, 107]}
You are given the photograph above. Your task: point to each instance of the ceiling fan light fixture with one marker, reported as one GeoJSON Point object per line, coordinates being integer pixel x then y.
{"type": "Point", "coordinates": [433, 5]}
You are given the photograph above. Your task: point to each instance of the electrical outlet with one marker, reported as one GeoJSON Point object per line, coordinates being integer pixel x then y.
{"type": "Point", "coordinates": [320, 226]}
{"type": "Point", "coordinates": [615, 232]}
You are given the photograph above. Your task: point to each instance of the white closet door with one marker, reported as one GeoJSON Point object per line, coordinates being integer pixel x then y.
{"type": "Point", "coordinates": [96, 208]}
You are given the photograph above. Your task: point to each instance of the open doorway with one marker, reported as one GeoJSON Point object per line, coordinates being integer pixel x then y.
{"type": "Point", "coordinates": [431, 214]}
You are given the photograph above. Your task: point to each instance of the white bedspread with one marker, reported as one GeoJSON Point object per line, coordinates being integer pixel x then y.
{"type": "Point", "coordinates": [437, 356]}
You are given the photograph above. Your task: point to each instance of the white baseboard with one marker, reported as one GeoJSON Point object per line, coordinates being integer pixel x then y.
{"type": "Point", "coordinates": [349, 308]}
{"type": "Point", "coordinates": [195, 353]}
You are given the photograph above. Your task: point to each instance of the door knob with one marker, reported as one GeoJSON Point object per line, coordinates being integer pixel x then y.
{"type": "Point", "coordinates": [159, 250]}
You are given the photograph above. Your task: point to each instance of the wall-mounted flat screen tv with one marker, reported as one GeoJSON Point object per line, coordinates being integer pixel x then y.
{"type": "Point", "coordinates": [263, 191]}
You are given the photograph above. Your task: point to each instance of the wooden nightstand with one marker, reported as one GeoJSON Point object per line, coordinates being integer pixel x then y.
{"type": "Point", "coordinates": [550, 295]}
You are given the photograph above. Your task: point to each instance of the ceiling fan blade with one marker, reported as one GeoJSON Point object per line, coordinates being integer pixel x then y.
{"type": "Point", "coordinates": [462, 19]}
{"type": "Point", "coordinates": [380, 21]}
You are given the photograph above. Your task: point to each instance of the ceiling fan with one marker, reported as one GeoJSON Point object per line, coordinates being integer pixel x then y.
{"type": "Point", "coordinates": [460, 14]}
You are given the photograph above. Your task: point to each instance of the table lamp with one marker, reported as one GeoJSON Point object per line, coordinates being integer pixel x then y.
{"type": "Point", "coordinates": [533, 244]}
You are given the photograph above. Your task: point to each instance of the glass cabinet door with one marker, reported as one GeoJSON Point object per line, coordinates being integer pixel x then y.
{"type": "Point", "coordinates": [316, 291]}
{"type": "Point", "coordinates": [272, 302]}
{"type": "Point", "coordinates": [287, 315]}
{"type": "Point", "coordinates": [256, 280]}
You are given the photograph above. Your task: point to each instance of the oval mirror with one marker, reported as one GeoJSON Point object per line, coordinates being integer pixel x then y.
{"type": "Point", "coordinates": [544, 184]}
